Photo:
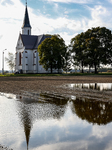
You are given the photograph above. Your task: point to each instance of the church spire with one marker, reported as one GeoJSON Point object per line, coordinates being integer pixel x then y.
{"type": "Point", "coordinates": [26, 28]}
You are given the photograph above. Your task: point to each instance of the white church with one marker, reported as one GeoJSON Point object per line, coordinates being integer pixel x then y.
{"type": "Point", "coordinates": [27, 58]}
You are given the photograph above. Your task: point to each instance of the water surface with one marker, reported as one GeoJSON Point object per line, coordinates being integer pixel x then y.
{"type": "Point", "coordinates": [91, 86]}
{"type": "Point", "coordinates": [50, 123]}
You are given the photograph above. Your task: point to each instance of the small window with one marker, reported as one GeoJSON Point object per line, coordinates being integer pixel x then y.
{"type": "Point", "coordinates": [33, 58]}
{"type": "Point", "coordinates": [19, 58]}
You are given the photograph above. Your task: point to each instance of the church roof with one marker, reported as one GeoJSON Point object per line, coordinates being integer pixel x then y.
{"type": "Point", "coordinates": [32, 41]}
{"type": "Point", "coordinates": [26, 22]}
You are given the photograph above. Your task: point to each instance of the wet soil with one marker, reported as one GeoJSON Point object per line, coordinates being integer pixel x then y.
{"type": "Point", "coordinates": [55, 85]}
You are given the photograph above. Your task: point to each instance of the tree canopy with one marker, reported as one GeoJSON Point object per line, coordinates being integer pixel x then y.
{"type": "Point", "coordinates": [67, 60]}
{"type": "Point", "coordinates": [93, 47]}
{"type": "Point", "coordinates": [51, 52]}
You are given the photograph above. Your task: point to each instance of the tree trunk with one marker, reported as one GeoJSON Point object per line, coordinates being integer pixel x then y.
{"type": "Point", "coordinates": [51, 68]}
{"type": "Point", "coordinates": [58, 70]}
{"type": "Point", "coordinates": [82, 67]}
{"type": "Point", "coordinates": [89, 68]}
{"type": "Point", "coordinates": [95, 69]}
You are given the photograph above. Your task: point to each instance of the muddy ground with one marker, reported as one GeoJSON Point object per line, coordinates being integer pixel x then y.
{"type": "Point", "coordinates": [55, 85]}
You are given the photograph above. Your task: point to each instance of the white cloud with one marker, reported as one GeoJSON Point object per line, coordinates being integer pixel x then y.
{"type": "Point", "coordinates": [10, 22]}
{"type": "Point", "coordinates": [101, 131]}
{"type": "Point", "coordinates": [110, 1]}
{"type": "Point", "coordinates": [71, 1]}
{"type": "Point", "coordinates": [67, 37]}
{"type": "Point", "coordinates": [1, 36]}
{"type": "Point", "coordinates": [100, 16]}
{"type": "Point", "coordinates": [64, 145]}
{"type": "Point", "coordinates": [5, 2]}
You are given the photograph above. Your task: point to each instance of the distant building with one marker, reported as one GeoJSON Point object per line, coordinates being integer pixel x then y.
{"type": "Point", "coordinates": [27, 58]}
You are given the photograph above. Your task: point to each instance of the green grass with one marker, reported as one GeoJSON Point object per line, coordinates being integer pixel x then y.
{"type": "Point", "coordinates": [86, 74]}
{"type": "Point", "coordinates": [41, 75]}
{"type": "Point", "coordinates": [28, 75]}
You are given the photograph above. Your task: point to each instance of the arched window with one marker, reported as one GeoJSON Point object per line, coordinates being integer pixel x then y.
{"type": "Point", "coordinates": [28, 32]}
{"type": "Point", "coordinates": [19, 58]}
{"type": "Point", "coordinates": [33, 58]}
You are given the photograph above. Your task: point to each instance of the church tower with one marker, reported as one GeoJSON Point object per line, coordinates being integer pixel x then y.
{"type": "Point", "coordinates": [26, 28]}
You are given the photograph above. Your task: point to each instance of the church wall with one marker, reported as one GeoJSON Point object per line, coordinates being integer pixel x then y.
{"type": "Point", "coordinates": [30, 60]}
{"type": "Point", "coordinates": [30, 64]}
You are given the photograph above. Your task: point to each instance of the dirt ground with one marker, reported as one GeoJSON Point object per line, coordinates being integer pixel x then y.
{"type": "Point", "coordinates": [55, 85]}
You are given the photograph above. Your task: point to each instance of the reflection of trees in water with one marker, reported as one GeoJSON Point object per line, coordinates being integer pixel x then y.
{"type": "Point", "coordinates": [31, 110]}
{"type": "Point", "coordinates": [94, 86]}
{"type": "Point", "coordinates": [93, 111]}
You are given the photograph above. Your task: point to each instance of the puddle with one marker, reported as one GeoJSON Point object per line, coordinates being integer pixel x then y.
{"type": "Point", "coordinates": [91, 86]}
{"type": "Point", "coordinates": [47, 122]}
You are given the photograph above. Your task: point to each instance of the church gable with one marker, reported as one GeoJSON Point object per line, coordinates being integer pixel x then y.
{"type": "Point", "coordinates": [20, 43]}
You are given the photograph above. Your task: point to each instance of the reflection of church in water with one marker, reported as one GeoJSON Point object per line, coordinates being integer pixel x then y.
{"type": "Point", "coordinates": [31, 110]}
{"type": "Point", "coordinates": [44, 107]}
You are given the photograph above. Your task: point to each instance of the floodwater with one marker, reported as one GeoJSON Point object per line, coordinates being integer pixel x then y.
{"type": "Point", "coordinates": [47, 122]}
{"type": "Point", "coordinates": [91, 86]}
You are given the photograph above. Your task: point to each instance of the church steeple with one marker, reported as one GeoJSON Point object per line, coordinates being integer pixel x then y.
{"type": "Point", "coordinates": [26, 28]}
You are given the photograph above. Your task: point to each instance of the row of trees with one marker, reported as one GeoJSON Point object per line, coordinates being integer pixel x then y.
{"type": "Point", "coordinates": [91, 48]}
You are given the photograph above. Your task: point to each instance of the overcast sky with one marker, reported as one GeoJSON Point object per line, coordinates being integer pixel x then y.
{"type": "Point", "coordinates": [64, 17]}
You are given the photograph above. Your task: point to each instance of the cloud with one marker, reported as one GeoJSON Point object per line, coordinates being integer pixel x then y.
{"type": "Point", "coordinates": [100, 17]}
{"type": "Point", "coordinates": [1, 36]}
{"type": "Point", "coordinates": [110, 1]}
{"type": "Point", "coordinates": [71, 1]}
{"type": "Point", "coordinates": [5, 2]}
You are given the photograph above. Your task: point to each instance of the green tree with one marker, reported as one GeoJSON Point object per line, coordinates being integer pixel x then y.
{"type": "Point", "coordinates": [93, 52]}
{"type": "Point", "coordinates": [10, 60]}
{"type": "Point", "coordinates": [51, 53]}
{"type": "Point", "coordinates": [67, 60]}
{"type": "Point", "coordinates": [98, 46]}
{"type": "Point", "coordinates": [93, 47]}
{"type": "Point", "coordinates": [78, 48]}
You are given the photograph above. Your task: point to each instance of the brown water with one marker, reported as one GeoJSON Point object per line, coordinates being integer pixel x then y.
{"type": "Point", "coordinates": [50, 123]}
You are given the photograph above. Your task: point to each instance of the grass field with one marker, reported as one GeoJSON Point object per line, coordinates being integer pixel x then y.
{"type": "Point", "coordinates": [64, 74]}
